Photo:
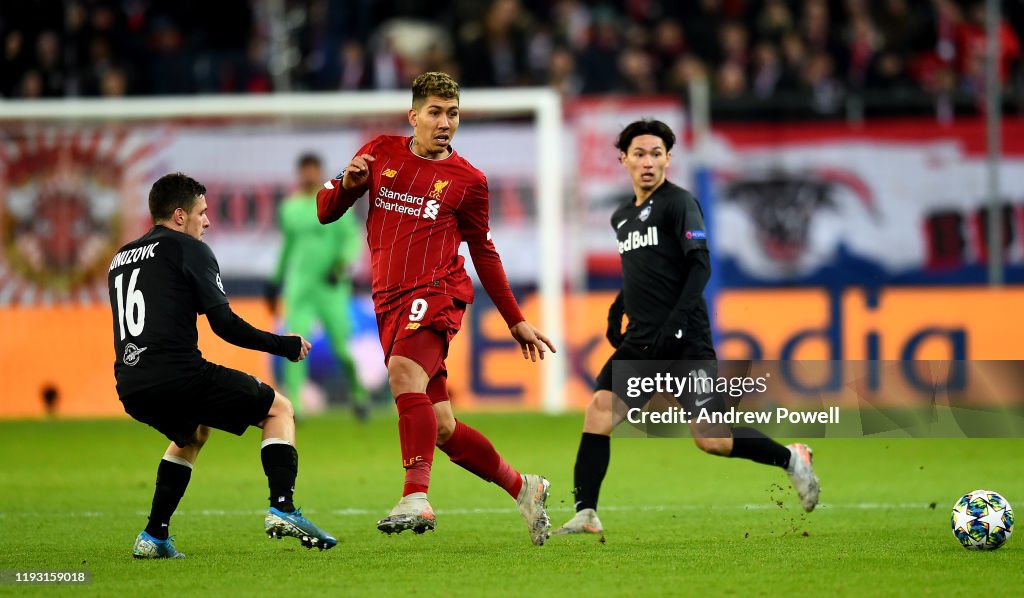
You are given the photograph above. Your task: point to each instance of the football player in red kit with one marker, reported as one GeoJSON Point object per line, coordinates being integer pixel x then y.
{"type": "Point", "coordinates": [425, 200]}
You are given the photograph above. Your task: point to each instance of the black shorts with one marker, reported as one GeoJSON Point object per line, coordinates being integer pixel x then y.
{"type": "Point", "coordinates": [215, 396]}
{"type": "Point", "coordinates": [631, 352]}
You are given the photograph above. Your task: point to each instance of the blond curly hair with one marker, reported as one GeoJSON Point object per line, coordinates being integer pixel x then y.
{"type": "Point", "coordinates": [434, 84]}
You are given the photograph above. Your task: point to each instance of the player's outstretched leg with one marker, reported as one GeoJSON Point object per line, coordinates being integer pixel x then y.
{"type": "Point", "coordinates": [172, 477]}
{"type": "Point", "coordinates": [801, 474]}
{"type": "Point", "coordinates": [472, 451]}
{"type": "Point", "coordinates": [281, 465]}
{"type": "Point", "coordinates": [752, 444]}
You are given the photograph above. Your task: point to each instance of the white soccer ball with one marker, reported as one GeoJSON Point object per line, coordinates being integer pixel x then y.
{"type": "Point", "coordinates": [982, 520]}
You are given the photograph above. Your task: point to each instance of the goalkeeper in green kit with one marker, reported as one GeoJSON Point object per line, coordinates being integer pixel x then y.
{"type": "Point", "coordinates": [312, 271]}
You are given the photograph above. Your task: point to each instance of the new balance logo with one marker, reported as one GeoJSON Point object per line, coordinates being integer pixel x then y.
{"type": "Point", "coordinates": [390, 173]}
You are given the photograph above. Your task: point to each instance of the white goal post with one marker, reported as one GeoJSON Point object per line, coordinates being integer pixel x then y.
{"type": "Point", "coordinates": [542, 104]}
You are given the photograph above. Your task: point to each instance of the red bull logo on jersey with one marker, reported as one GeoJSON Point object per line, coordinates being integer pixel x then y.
{"type": "Point", "coordinates": [637, 239]}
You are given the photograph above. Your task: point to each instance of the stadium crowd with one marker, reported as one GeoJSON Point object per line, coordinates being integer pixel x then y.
{"type": "Point", "coordinates": [746, 48]}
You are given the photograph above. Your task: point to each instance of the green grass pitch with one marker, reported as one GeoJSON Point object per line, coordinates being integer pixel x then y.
{"type": "Point", "coordinates": [75, 494]}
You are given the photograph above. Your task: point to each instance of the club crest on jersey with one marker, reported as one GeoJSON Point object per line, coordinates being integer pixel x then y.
{"type": "Point", "coordinates": [438, 189]}
{"type": "Point", "coordinates": [645, 214]}
{"type": "Point", "coordinates": [636, 239]}
{"type": "Point", "coordinates": [132, 353]}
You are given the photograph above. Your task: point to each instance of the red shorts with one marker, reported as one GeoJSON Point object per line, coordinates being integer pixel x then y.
{"type": "Point", "coordinates": [420, 329]}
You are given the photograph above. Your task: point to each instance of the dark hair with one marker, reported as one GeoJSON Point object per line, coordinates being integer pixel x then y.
{"type": "Point", "coordinates": [172, 191]}
{"type": "Point", "coordinates": [645, 127]}
{"type": "Point", "coordinates": [433, 84]}
{"type": "Point", "coordinates": [309, 159]}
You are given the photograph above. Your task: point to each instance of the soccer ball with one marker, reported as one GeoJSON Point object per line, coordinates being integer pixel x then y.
{"type": "Point", "coordinates": [982, 520]}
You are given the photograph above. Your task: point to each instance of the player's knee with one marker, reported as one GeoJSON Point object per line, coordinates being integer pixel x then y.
{"type": "Point", "coordinates": [445, 429]}
{"type": "Point", "coordinates": [714, 446]}
{"type": "Point", "coordinates": [598, 417]}
{"type": "Point", "coordinates": [282, 407]}
{"type": "Point", "coordinates": [199, 438]}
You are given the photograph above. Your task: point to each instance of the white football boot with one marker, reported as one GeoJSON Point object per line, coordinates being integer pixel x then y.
{"type": "Point", "coordinates": [801, 474]}
{"type": "Point", "coordinates": [583, 522]}
{"type": "Point", "coordinates": [412, 512]}
{"type": "Point", "coordinates": [531, 502]}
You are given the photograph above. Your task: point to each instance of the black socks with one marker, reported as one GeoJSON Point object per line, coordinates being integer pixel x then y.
{"type": "Point", "coordinates": [171, 480]}
{"type": "Point", "coordinates": [281, 464]}
{"type": "Point", "coordinates": [748, 443]}
{"type": "Point", "coordinates": [591, 466]}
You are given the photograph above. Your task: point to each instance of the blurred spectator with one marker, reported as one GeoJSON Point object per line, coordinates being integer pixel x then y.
{"type": "Point", "coordinates": [598, 59]}
{"type": "Point", "coordinates": [774, 21]}
{"type": "Point", "coordinates": [15, 62]}
{"type": "Point", "coordinates": [687, 69]}
{"type": "Point", "coordinates": [170, 66]}
{"type": "Point", "coordinates": [114, 83]}
{"type": "Point", "coordinates": [636, 74]}
{"type": "Point", "coordinates": [562, 73]}
{"type": "Point", "coordinates": [819, 82]}
{"type": "Point", "coordinates": [48, 64]}
{"type": "Point", "coordinates": [970, 42]}
{"type": "Point", "coordinates": [731, 81]}
{"type": "Point", "coordinates": [766, 71]}
{"type": "Point", "coordinates": [758, 49]}
{"type": "Point", "coordinates": [356, 71]}
{"type": "Point", "coordinates": [862, 44]}
{"type": "Point", "coordinates": [702, 26]}
{"type": "Point", "coordinates": [493, 53]}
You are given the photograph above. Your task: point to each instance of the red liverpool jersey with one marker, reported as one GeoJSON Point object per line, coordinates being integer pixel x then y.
{"type": "Point", "coordinates": [420, 211]}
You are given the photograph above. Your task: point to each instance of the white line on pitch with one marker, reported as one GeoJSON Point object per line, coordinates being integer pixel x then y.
{"type": "Point", "coordinates": [359, 512]}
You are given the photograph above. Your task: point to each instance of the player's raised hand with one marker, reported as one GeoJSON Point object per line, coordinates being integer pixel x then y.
{"type": "Point", "coordinates": [357, 172]}
{"type": "Point", "coordinates": [304, 347]}
{"type": "Point", "coordinates": [531, 341]}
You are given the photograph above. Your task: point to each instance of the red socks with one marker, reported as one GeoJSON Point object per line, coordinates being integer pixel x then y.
{"type": "Point", "coordinates": [471, 451]}
{"type": "Point", "coordinates": [417, 433]}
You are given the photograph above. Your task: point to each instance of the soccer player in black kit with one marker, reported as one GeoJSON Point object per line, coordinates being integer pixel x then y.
{"type": "Point", "coordinates": [663, 246]}
{"type": "Point", "coordinates": [158, 284]}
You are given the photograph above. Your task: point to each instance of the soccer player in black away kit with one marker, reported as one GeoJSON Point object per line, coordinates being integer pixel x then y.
{"type": "Point", "coordinates": [663, 245]}
{"type": "Point", "coordinates": [158, 285]}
